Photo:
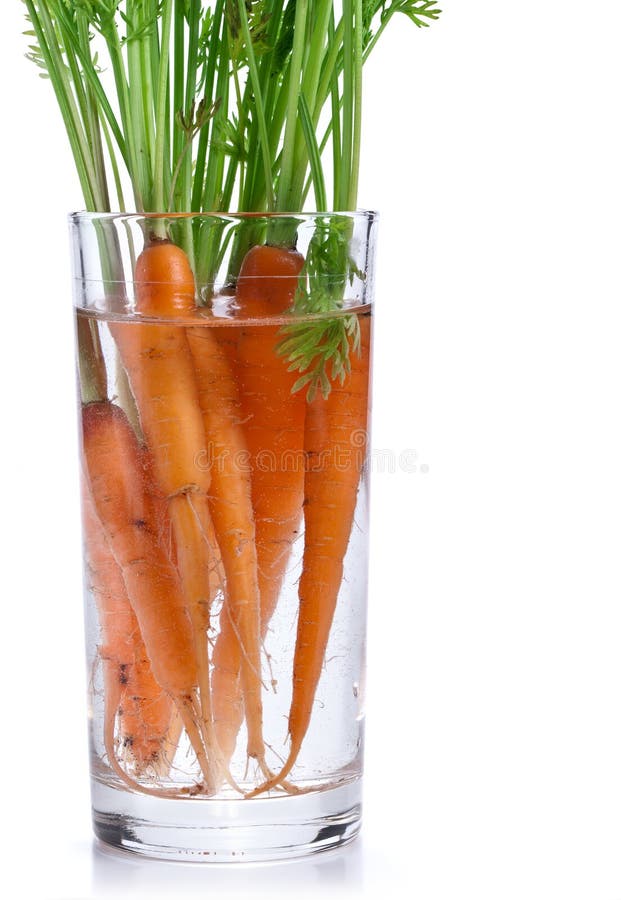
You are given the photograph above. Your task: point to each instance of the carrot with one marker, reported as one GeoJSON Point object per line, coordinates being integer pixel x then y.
{"type": "Point", "coordinates": [114, 475]}
{"type": "Point", "coordinates": [216, 572]}
{"type": "Point", "coordinates": [231, 511]}
{"type": "Point", "coordinates": [267, 281]}
{"type": "Point", "coordinates": [145, 713]}
{"type": "Point", "coordinates": [335, 444]}
{"type": "Point", "coordinates": [274, 416]}
{"type": "Point", "coordinates": [161, 372]}
{"type": "Point", "coordinates": [131, 692]}
{"type": "Point", "coordinates": [273, 426]}
{"type": "Point", "coordinates": [157, 360]}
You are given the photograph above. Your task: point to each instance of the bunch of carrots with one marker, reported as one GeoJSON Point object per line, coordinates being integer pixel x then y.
{"type": "Point", "coordinates": [155, 594]}
{"type": "Point", "coordinates": [189, 104]}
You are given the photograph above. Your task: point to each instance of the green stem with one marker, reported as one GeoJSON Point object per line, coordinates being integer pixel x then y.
{"type": "Point", "coordinates": [81, 46]}
{"type": "Point", "coordinates": [241, 128]}
{"type": "Point", "coordinates": [208, 97]}
{"type": "Point", "coordinates": [148, 77]}
{"type": "Point", "coordinates": [190, 102]}
{"type": "Point", "coordinates": [348, 104]}
{"type": "Point", "coordinates": [76, 82]}
{"type": "Point", "coordinates": [170, 206]}
{"type": "Point", "coordinates": [288, 153]}
{"type": "Point", "coordinates": [215, 164]}
{"type": "Point", "coordinates": [118, 185]}
{"type": "Point", "coordinates": [160, 118]}
{"type": "Point", "coordinates": [178, 84]}
{"type": "Point", "coordinates": [322, 146]}
{"type": "Point", "coordinates": [357, 115]}
{"type": "Point", "coordinates": [317, 50]}
{"type": "Point", "coordinates": [136, 104]}
{"type": "Point", "coordinates": [369, 47]}
{"type": "Point", "coordinates": [212, 193]}
{"type": "Point", "coordinates": [335, 122]}
{"type": "Point", "coordinates": [113, 43]}
{"type": "Point", "coordinates": [46, 36]}
{"type": "Point", "coordinates": [154, 58]}
{"type": "Point", "coordinates": [92, 365]}
{"type": "Point", "coordinates": [310, 84]}
{"type": "Point", "coordinates": [330, 69]}
{"type": "Point", "coordinates": [258, 104]}
{"type": "Point", "coordinates": [94, 118]}
{"type": "Point", "coordinates": [314, 156]}
{"type": "Point", "coordinates": [270, 81]}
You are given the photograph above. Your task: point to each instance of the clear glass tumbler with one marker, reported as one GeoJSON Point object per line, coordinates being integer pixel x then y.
{"type": "Point", "coordinates": [224, 365]}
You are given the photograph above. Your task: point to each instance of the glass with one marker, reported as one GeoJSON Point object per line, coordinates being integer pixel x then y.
{"type": "Point", "coordinates": [223, 367]}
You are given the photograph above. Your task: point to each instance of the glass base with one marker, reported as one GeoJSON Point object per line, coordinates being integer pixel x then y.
{"type": "Point", "coordinates": [205, 830]}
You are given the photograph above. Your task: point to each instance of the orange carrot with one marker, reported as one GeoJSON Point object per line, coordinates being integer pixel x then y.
{"type": "Point", "coordinates": [217, 576]}
{"type": "Point", "coordinates": [335, 443]}
{"type": "Point", "coordinates": [273, 416]}
{"type": "Point", "coordinates": [231, 511]}
{"type": "Point", "coordinates": [159, 363]}
{"type": "Point", "coordinates": [115, 477]}
{"type": "Point", "coordinates": [267, 281]}
{"type": "Point", "coordinates": [145, 713]}
{"type": "Point", "coordinates": [216, 572]}
{"type": "Point", "coordinates": [157, 360]}
{"type": "Point", "coordinates": [273, 426]}
{"type": "Point", "coordinates": [131, 693]}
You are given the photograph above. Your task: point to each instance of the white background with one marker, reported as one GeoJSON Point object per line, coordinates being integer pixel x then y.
{"type": "Point", "coordinates": [492, 148]}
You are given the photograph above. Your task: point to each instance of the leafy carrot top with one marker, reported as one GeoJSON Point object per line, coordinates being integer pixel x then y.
{"type": "Point", "coordinates": [195, 106]}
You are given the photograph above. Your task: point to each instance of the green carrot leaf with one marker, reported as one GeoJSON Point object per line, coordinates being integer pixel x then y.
{"type": "Point", "coordinates": [319, 348]}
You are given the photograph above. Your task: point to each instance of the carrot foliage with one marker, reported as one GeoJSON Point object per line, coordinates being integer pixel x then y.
{"type": "Point", "coordinates": [319, 347]}
{"type": "Point", "coordinates": [195, 106]}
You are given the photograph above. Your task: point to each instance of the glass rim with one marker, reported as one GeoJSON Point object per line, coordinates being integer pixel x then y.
{"type": "Point", "coordinates": [98, 288]}
{"type": "Point", "coordinates": [78, 216]}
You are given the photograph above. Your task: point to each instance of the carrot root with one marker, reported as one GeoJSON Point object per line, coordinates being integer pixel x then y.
{"type": "Point", "coordinates": [272, 420]}
{"type": "Point", "coordinates": [114, 472]}
{"type": "Point", "coordinates": [336, 423]}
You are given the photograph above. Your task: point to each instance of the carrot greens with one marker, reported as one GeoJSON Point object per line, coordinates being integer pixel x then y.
{"type": "Point", "coordinates": [199, 98]}
{"type": "Point", "coordinates": [191, 104]}
{"type": "Point", "coordinates": [197, 106]}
